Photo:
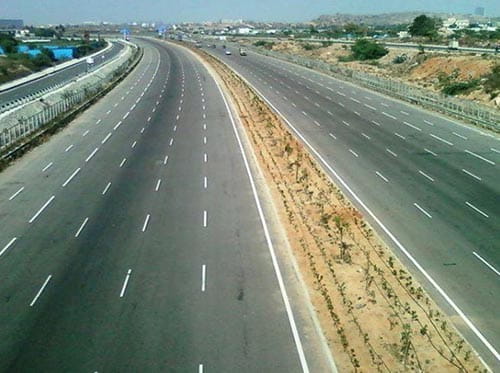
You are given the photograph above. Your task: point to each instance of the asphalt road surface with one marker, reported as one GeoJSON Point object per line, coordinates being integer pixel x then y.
{"type": "Point", "coordinates": [428, 184]}
{"type": "Point", "coordinates": [60, 76]}
{"type": "Point", "coordinates": [132, 241]}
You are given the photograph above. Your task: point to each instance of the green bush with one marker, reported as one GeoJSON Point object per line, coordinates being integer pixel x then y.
{"type": "Point", "coordinates": [264, 43]}
{"type": "Point", "coordinates": [364, 49]}
{"type": "Point", "coordinates": [348, 58]}
{"type": "Point", "coordinates": [42, 60]}
{"type": "Point", "coordinates": [456, 88]}
{"type": "Point", "coordinates": [399, 59]}
{"type": "Point", "coordinates": [309, 47]}
{"type": "Point", "coordinates": [492, 82]}
{"type": "Point", "coordinates": [8, 44]}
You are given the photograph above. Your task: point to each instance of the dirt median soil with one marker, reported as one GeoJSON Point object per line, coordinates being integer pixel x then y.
{"type": "Point", "coordinates": [374, 314]}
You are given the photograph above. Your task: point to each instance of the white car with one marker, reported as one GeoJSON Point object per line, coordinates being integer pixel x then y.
{"type": "Point", "coordinates": [228, 52]}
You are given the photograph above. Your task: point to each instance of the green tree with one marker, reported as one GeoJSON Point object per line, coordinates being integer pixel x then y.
{"type": "Point", "coordinates": [8, 44]}
{"type": "Point", "coordinates": [424, 26]}
{"type": "Point", "coordinates": [364, 49]}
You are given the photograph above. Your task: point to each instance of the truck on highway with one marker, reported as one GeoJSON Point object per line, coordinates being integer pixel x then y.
{"type": "Point", "coordinates": [243, 51]}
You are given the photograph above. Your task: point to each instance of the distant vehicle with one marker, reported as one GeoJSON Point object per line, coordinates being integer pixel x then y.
{"type": "Point", "coordinates": [228, 52]}
{"type": "Point", "coordinates": [214, 46]}
{"type": "Point", "coordinates": [243, 52]}
{"type": "Point", "coordinates": [453, 44]}
{"type": "Point", "coordinates": [198, 45]}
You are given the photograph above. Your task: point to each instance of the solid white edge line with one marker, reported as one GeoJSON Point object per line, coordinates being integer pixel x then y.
{"type": "Point", "coordinates": [6, 247]}
{"type": "Point", "coordinates": [40, 291]}
{"type": "Point", "coordinates": [429, 278]}
{"type": "Point", "coordinates": [286, 301]}
{"type": "Point", "coordinates": [484, 261]}
{"type": "Point", "coordinates": [81, 227]}
{"type": "Point", "coordinates": [41, 209]}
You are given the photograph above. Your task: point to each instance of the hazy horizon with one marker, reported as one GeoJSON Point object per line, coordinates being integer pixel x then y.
{"type": "Point", "coordinates": [118, 11]}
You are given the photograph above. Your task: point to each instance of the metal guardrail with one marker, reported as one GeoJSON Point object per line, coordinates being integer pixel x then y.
{"type": "Point", "coordinates": [460, 108]}
{"type": "Point", "coordinates": [30, 124]}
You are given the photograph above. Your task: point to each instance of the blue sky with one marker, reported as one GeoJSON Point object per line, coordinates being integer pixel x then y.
{"type": "Point", "coordinates": [72, 11]}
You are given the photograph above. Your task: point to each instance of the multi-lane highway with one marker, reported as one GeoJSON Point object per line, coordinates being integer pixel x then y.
{"type": "Point", "coordinates": [134, 241]}
{"type": "Point", "coordinates": [429, 185]}
{"type": "Point", "coordinates": [58, 77]}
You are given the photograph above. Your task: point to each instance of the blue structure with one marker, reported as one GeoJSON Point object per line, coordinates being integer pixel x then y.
{"type": "Point", "coordinates": [60, 53]}
{"type": "Point", "coordinates": [2, 51]}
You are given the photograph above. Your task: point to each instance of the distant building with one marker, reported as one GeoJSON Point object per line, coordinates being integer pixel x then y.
{"type": "Point", "coordinates": [479, 11]}
{"type": "Point", "coordinates": [11, 24]}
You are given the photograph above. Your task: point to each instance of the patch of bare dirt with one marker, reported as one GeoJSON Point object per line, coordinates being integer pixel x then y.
{"type": "Point", "coordinates": [374, 314]}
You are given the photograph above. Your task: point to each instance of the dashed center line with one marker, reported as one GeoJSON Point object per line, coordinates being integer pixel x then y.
{"type": "Point", "coordinates": [6, 247]}
{"type": "Point", "coordinates": [81, 227]}
{"type": "Point", "coordinates": [106, 188]}
{"type": "Point", "coordinates": [353, 153]}
{"type": "Point", "coordinates": [471, 174]}
{"type": "Point", "coordinates": [16, 194]}
{"type": "Point", "coordinates": [389, 115]}
{"type": "Point", "coordinates": [459, 135]}
{"type": "Point", "coordinates": [413, 126]}
{"type": "Point", "coordinates": [391, 152]}
{"type": "Point", "coordinates": [476, 209]}
{"type": "Point", "coordinates": [422, 210]}
{"type": "Point", "coordinates": [157, 188]}
{"type": "Point", "coordinates": [480, 157]}
{"type": "Point", "coordinates": [441, 139]}
{"type": "Point", "coordinates": [487, 264]}
{"type": "Point", "coordinates": [382, 176]}
{"type": "Point", "coordinates": [146, 222]}
{"type": "Point", "coordinates": [91, 155]}
{"type": "Point", "coordinates": [430, 152]}
{"type": "Point", "coordinates": [205, 218]}
{"type": "Point", "coordinates": [203, 278]}
{"type": "Point", "coordinates": [68, 180]}
{"type": "Point", "coordinates": [40, 291]}
{"type": "Point", "coordinates": [425, 175]}
{"type": "Point", "coordinates": [123, 162]}
{"type": "Point", "coordinates": [69, 148]}
{"type": "Point", "coordinates": [125, 283]}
